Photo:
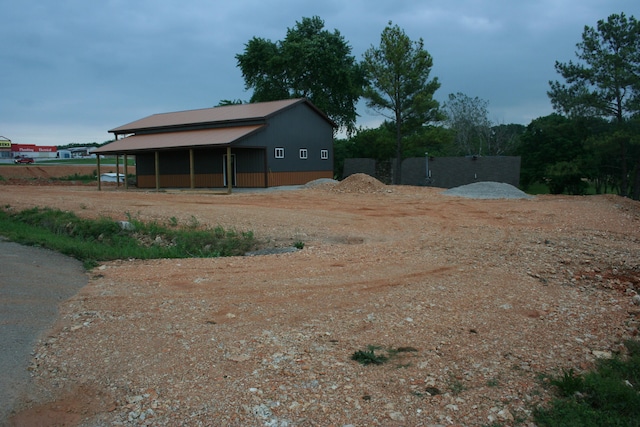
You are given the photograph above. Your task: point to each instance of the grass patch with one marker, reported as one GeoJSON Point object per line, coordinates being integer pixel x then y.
{"type": "Point", "coordinates": [104, 239]}
{"type": "Point", "coordinates": [607, 396]}
{"type": "Point", "coordinates": [456, 386]}
{"type": "Point", "coordinates": [369, 356]}
{"type": "Point", "coordinates": [77, 177]}
{"type": "Point", "coordinates": [86, 161]}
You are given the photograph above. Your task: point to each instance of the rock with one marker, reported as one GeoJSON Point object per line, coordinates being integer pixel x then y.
{"type": "Point", "coordinates": [125, 225]}
{"type": "Point", "coordinates": [505, 415]}
{"type": "Point", "coordinates": [601, 354]}
{"type": "Point", "coordinates": [396, 416]}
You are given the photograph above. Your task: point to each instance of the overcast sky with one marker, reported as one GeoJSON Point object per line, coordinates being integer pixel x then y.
{"type": "Point", "coordinates": [73, 69]}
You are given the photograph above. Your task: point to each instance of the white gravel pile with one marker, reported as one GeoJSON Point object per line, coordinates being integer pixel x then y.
{"type": "Point", "coordinates": [487, 190]}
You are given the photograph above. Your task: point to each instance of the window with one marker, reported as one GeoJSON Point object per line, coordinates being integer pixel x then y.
{"type": "Point", "coordinates": [279, 153]}
{"type": "Point", "coordinates": [324, 154]}
{"type": "Point", "coordinates": [303, 153]}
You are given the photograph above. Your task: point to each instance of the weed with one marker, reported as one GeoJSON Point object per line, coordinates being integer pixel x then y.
{"type": "Point", "coordinates": [77, 177]}
{"type": "Point", "coordinates": [298, 244]}
{"type": "Point", "coordinates": [368, 356]}
{"type": "Point", "coordinates": [493, 382]}
{"type": "Point", "coordinates": [406, 350]}
{"type": "Point", "coordinates": [455, 385]}
{"type": "Point", "coordinates": [606, 396]}
{"type": "Point", "coordinates": [173, 221]}
{"type": "Point", "coordinates": [193, 222]}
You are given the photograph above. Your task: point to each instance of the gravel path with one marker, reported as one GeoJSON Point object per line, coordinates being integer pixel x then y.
{"type": "Point", "coordinates": [33, 282]}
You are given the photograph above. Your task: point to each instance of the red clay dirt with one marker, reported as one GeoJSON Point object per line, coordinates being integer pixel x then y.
{"type": "Point", "coordinates": [471, 299]}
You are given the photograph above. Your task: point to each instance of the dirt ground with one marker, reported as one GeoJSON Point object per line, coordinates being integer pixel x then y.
{"type": "Point", "coordinates": [473, 301]}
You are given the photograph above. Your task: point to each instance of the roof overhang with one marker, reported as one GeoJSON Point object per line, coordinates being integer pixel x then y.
{"type": "Point", "coordinates": [180, 139]}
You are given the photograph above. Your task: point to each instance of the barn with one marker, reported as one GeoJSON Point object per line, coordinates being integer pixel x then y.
{"type": "Point", "coordinates": [266, 144]}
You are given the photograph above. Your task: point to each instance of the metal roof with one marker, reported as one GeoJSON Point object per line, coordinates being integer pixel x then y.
{"type": "Point", "coordinates": [217, 115]}
{"type": "Point", "coordinates": [180, 139]}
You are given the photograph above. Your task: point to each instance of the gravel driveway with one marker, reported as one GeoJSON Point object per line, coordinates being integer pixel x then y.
{"type": "Point", "coordinates": [32, 284]}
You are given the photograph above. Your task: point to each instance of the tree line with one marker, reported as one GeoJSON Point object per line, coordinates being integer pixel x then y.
{"type": "Point", "coordinates": [591, 138]}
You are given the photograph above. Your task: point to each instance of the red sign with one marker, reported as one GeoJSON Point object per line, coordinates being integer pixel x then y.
{"type": "Point", "coordinates": [32, 148]}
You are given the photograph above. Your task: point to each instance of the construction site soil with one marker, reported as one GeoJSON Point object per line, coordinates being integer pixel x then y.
{"type": "Point", "coordinates": [473, 301]}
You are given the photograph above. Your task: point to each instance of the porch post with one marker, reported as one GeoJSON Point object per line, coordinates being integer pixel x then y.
{"type": "Point", "coordinates": [126, 172]}
{"type": "Point", "coordinates": [117, 170]}
{"type": "Point", "coordinates": [98, 164]}
{"type": "Point", "coordinates": [157, 161]}
{"type": "Point", "coordinates": [192, 173]}
{"type": "Point", "coordinates": [229, 174]}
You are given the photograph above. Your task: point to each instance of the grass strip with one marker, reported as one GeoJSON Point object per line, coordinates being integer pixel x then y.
{"type": "Point", "coordinates": [92, 241]}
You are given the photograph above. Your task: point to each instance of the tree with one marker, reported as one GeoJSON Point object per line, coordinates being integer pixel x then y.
{"type": "Point", "coordinates": [398, 85]}
{"type": "Point", "coordinates": [556, 149]}
{"type": "Point", "coordinates": [468, 118]}
{"type": "Point", "coordinates": [547, 140]}
{"type": "Point", "coordinates": [504, 140]}
{"type": "Point", "coordinates": [606, 81]}
{"type": "Point", "coordinates": [309, 63]}
{"type": "Point", "coordinates": [227, 102]}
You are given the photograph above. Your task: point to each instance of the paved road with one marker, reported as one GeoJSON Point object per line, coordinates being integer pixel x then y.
{"type": "Point", "coordinates": [33, 282]}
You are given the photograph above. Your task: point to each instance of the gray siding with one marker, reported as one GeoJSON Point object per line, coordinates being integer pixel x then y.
{"type": "Point", "coordinates": [176, 162]}
{"type": "Point", "coordinates": [293, 129]}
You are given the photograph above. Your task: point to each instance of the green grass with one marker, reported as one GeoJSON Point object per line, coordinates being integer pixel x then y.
{"type": "Point", "coordinates": [607, 396]}
{"type": "Point", "coordinates": [542, 188]}
{"type": "Point", "coordinates": [92, 241]}
{"type": "Point", "coordinates": [89, 161]}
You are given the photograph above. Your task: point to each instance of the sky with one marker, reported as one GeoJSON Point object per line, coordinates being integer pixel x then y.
{"type": "Point", "coordinates": [70, 70]}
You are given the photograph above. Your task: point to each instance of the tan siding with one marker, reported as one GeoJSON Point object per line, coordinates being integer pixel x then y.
{"type": "Point", "coordinates": [146, 181]}
{"type": "Point", "coordinates": [277, 179]}
{"type": "Point", "coordinates": [250, 180]}
{"type": "Point", "coordinates": [244, 180]}
{"type": "Point", "coordinates": [174, 181]}
{"type": "Point", "coordinates": [209, 180]}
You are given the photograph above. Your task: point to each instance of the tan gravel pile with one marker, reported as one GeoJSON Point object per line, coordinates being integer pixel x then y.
{"type": "Point", "coordinates": [360, 183]}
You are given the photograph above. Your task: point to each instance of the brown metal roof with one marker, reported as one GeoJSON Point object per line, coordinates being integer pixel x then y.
{"type": "Point", "coordinates": [182, 139]}
{"type": "Point", "coordinates": [219, 115]}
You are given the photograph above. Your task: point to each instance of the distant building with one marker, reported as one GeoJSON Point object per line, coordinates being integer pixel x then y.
{"type": "Point", "coordinates": [5, 148]}
{"type": "Point", "coordinates": [287, 142]}
{"type": "Point", "coordinates": [35, 151]}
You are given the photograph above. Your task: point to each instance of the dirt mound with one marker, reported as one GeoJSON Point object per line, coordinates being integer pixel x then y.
{"type": "Point", "coordinates": [361, 183]}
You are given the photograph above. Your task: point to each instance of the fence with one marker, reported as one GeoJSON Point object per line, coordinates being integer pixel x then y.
{"type": "Point", "coordinates": [444, 172]}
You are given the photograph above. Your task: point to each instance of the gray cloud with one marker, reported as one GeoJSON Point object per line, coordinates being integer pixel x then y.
{"type": "Point", "coordinates": [73, 69]}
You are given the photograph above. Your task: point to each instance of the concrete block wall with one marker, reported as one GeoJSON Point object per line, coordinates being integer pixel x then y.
{"type": "Point", "coordinates": [447, 172]}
